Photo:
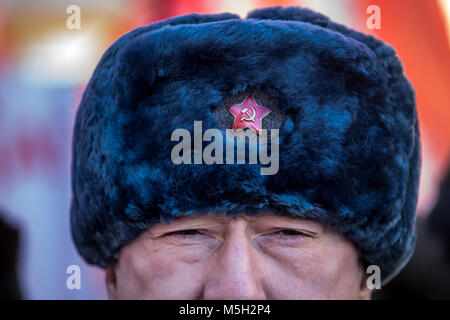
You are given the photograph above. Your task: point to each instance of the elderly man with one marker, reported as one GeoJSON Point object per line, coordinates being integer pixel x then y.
{"type": "Point", "coordinates": [272, 157]}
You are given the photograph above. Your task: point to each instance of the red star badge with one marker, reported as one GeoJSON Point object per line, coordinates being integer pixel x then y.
{"type": "Point", "coordinates": [248, 114]}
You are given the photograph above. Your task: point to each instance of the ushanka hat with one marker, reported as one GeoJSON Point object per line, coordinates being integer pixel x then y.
{"type": "Point", "coordinates": [337, 101]}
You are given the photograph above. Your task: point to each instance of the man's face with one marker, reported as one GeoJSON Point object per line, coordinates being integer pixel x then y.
{"type": "Point", "coordinates": [246, 257]}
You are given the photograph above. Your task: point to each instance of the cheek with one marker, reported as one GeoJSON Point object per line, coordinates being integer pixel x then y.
{"type": "Point", "coordinates": [156, 271]}
{"type": "Point", "coordinates": [324, 270]}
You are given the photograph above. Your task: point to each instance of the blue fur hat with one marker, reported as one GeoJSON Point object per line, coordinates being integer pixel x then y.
{"type": "Point", "coordinates": [349, 152]}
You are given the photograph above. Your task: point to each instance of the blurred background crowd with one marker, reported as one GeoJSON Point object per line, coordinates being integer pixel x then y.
{"type": "Point", "coordinates": [44, 67]}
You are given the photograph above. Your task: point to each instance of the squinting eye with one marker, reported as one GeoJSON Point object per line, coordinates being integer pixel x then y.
{"type": "Point", "coordinates": [187, 232]}
{"type": "Point", "coordinates": [285, 237]}
{"type": "Point", "coordinates": [290, 232]}
{"type": "Point", "coordinates": [191, 236]}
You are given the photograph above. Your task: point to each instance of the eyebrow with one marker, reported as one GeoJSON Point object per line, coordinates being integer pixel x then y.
{"type": "Point", "coordinates": [187, 223]}
{"type": "Point", "coordinates": [297, 222]}
{"type": "Point", "coordinates": [198, 221]}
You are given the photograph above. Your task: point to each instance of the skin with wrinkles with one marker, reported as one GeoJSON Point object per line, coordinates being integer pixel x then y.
{"type": "Point", "coordinates": [245, 257]}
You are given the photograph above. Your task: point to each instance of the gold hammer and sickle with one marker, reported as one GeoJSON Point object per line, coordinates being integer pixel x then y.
{"type": "Point", "coordinates": [249, 117]}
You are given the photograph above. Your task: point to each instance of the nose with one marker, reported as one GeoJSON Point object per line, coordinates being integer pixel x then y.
{"type": "Point", "coordinates": [237, 271]}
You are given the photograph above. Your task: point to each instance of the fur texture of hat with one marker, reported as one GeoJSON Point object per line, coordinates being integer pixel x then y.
{"type": "Point", "coordinates": [349, 142]}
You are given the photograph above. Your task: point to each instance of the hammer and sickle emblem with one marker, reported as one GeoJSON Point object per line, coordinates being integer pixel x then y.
{"type": "Point", "coordinates": [249, 117]}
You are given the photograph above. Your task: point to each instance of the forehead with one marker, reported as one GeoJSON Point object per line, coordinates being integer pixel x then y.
{"type": "Point", "coordinates": [280, 220]}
